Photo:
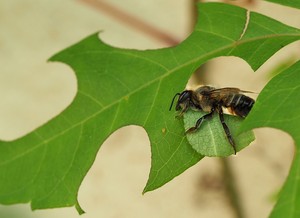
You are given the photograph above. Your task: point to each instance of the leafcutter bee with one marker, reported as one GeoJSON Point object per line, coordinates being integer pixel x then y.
{"type": "Point", "coordinates": [213, 100]}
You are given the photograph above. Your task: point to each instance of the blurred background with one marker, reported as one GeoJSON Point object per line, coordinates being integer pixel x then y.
{"type": "Point", "coordinates": [33, 91]}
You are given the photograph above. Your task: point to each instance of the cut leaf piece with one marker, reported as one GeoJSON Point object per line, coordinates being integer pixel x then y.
{"type": "Point", "coordinates": [210, 139]}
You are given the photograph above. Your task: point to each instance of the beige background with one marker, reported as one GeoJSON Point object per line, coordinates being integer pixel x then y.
{"type": "Point", "coordinates": [33, 91]}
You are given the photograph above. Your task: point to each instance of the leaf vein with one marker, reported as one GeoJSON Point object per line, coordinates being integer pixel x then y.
{"type": "Point", "coordinates": [67, 171]}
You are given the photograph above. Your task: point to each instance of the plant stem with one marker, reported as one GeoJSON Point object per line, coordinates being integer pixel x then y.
{"type": "Point", "coordinates": [132, 21]}
{"type": "Point", "coordinates": [231, 189]}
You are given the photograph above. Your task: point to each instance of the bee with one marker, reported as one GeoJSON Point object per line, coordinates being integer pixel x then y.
{"type": "Point", "coordinates": [213, 100]}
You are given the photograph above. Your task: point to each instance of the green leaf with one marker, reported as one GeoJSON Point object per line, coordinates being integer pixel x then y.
{"type": "Point", "coordinates": [291, 3]}
{"type": "Point", "coordinates": [119, 87]}
{"type": "Point", "coordinates": [210, 139]}
{"type": "Point", "coordinates": [278, 106]}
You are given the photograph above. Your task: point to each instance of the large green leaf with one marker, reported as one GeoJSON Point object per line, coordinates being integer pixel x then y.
{"type": "Point", "coordinates": [291, 3]}
{"type": "Point", "coordinates": [278, 106]}
{"type": "Point", "coordinates": [118, 87]}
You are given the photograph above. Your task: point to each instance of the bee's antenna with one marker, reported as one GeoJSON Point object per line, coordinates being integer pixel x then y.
{"type": "Point", "coordinates": [173, 100]}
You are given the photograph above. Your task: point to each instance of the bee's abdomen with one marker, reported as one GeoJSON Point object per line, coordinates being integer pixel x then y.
{"type": "Point", "coordinates": [239, 104]}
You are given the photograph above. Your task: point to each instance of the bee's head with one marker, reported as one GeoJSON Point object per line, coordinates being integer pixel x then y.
{"type": "Point", "coordinates": [183, 101]}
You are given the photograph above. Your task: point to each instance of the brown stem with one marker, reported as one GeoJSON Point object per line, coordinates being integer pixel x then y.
{"type": "Point", "coordinates": [132, 21]}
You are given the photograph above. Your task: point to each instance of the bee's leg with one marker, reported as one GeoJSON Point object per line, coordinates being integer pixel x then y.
{"type": "Point", "coordinates": [226, 129]}
{"type": "Point", "coordinates": [182, 112]}
{"type": "Point", "coordinates": [199, 122]}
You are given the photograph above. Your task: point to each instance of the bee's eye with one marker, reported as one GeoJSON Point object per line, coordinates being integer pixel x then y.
{"type": "Point", "coordinates": [186, 95]}
{"type": "Point", "coordinates": [183, 100]}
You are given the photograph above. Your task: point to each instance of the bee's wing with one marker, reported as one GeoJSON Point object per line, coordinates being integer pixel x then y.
{"type": "Point", "coordinates": [222, 92]}
{"type": "Point", "coordinates": [225, 92]}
